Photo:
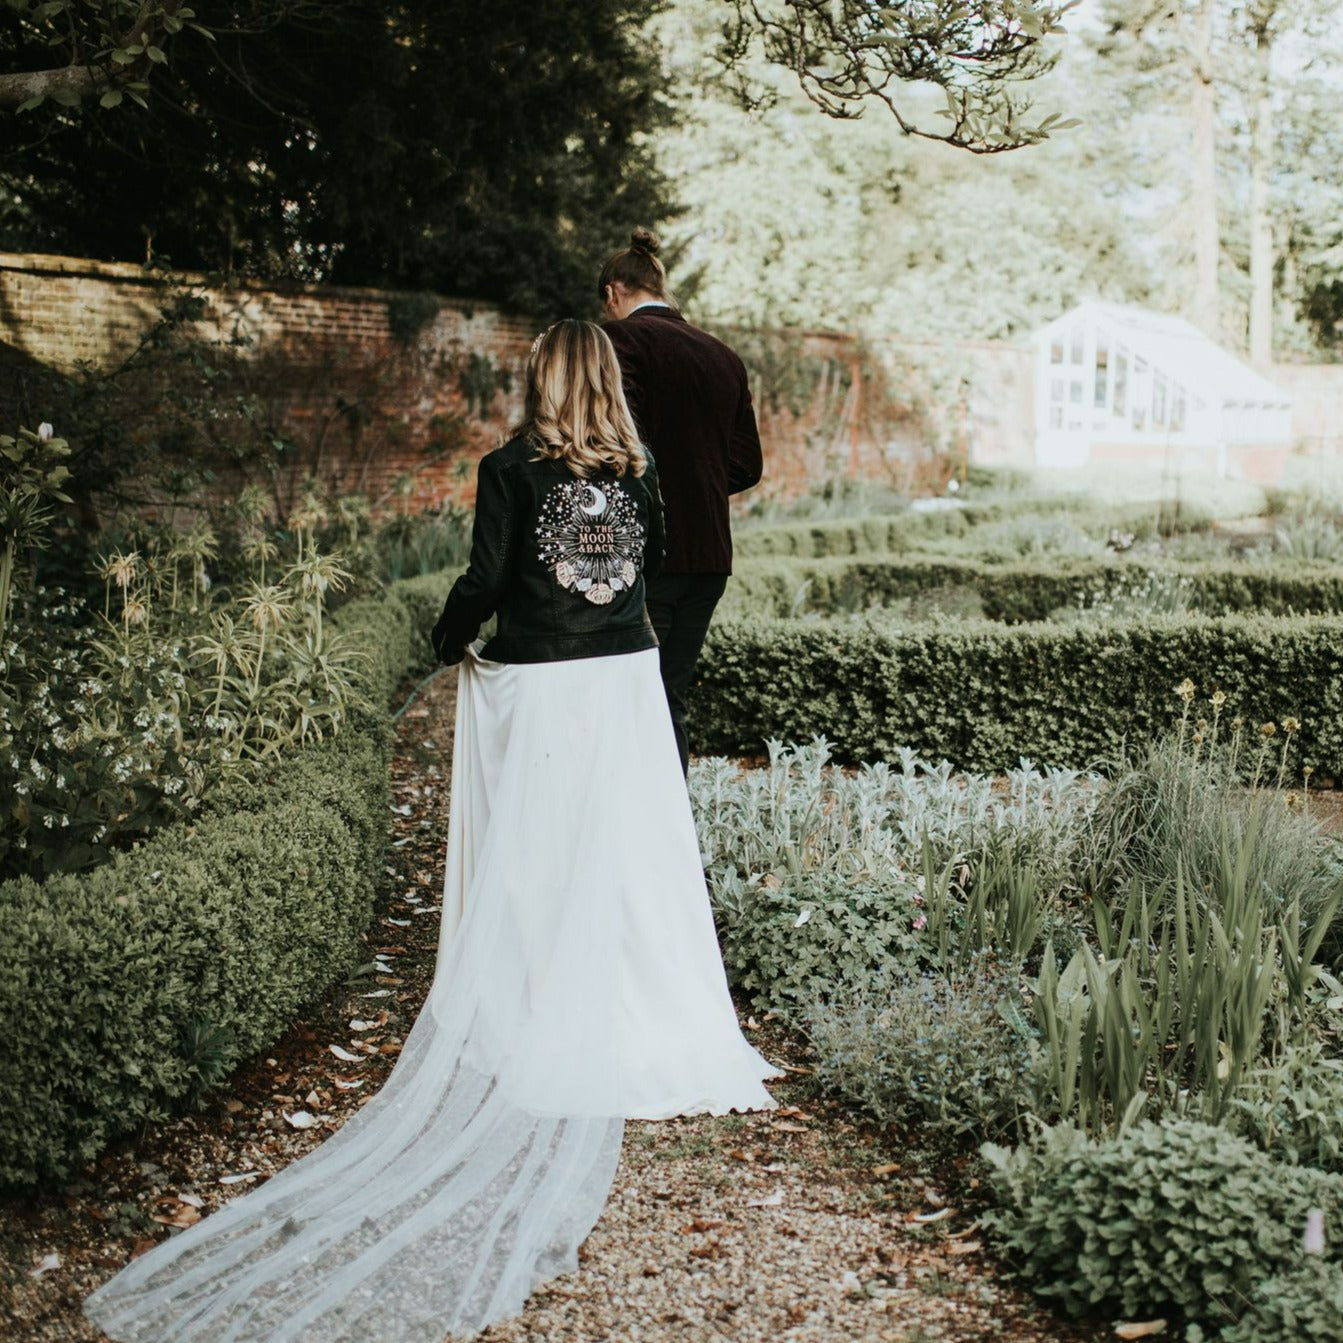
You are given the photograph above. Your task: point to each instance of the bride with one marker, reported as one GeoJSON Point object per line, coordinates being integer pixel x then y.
{"type": "Point", "coordinates": [578, 981]}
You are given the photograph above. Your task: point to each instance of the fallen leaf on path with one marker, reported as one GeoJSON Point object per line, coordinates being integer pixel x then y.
{"type": "Point", "coordinates": [964, 1247]}
{"type": "Point", "coordinates": [889, 1168]}
{"type": "Point", "coordinates": [703, 1224]}
{"type": "Point", "coordinates": [238, 1178]}
{"type": "Point", "coordinates": [175, 1212]}
{"type": "Point", "coordinates": [45, 1265]}
{"type": "Point", "coordinates": [769, 1201]}
{"type": "Point", "coordinates": [1143, 1329]}
{"type": "Point", "coordinates": [299, 1119]}
{"type": "Point", "coordinates": [784, 1126]}
{"type": "Point", "coordinates": [344, 1054]}
{"type": "Point", "coordinates": [938, 1216]}
{"type": "Point", "coordinates": [348, 1083]}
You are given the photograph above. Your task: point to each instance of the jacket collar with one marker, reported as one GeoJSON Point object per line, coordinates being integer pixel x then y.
{"type": "Point", "coordinates": [652, 311]}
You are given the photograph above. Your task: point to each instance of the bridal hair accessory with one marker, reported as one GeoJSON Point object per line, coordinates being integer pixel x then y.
{"type": "Point", "coordinates": [536, 344]}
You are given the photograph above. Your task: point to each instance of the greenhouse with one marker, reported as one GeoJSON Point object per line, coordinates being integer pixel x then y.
{"type": "Point", "coordinates": [1120, 384]}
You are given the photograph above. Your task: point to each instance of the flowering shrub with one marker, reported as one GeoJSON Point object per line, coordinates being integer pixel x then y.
{"type": "Point", "coordinates": [115, 721]}
{"type": "Point", "coordinates": [95, 747]}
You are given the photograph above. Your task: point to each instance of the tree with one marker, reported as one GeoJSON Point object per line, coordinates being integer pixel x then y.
{"type": "Point", "coordinates": [1164, 52]}
{"type": "Point", "coordinates": [846, 54]}
{"type": "Point", "coordinates": [793, 219]}
{"type": "Point", "coordinates": [495, 152]}
{"type": "Point", "coordinates": [105, 47]}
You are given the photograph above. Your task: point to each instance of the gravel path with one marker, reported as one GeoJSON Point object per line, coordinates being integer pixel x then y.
{"type": "Point", "coordinates": [796, 1226]}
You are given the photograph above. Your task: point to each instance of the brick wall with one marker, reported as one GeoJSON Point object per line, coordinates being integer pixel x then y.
{"type": "Point", "coordinates": [389, 415]}
{"type": "Point", "coordinates": [394, 395]}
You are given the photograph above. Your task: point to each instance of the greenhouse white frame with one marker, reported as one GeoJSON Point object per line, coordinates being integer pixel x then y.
{"type": "Point", "coordinates": [1124, 384]}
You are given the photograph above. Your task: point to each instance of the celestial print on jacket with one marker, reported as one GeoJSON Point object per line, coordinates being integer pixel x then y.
{"type": "Point", "coordinates": [590, 538]}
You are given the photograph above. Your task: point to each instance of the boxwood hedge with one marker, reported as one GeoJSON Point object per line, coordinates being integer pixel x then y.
{"type": "Point", "coordinates": [1019, 592]}
{"type": "Point", "coordinates": [983, 695]}
{"type": "Point", "coordinates": [126, 989]}
{"type": "Point", "coordinates": [897, 532]}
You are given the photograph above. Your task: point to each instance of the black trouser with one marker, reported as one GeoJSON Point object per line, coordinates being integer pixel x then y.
{"type": "Point", "coordinates": [680, 607]}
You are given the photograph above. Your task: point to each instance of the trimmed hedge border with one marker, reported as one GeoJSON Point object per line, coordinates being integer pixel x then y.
{"type": "Point", "coordinates": [205, 941]}
{"type": "Point", "coordinates": [897, 533]}
{"type": "Point", "coordinates": [1016, 593]}
{"type": "Point", "coordinates": [983, 696]}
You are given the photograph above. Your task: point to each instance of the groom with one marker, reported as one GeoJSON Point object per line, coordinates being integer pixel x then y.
{"type": "Point", "coordinates": [692, 405]}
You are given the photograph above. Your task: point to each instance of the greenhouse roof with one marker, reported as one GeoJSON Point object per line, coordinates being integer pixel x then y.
{"type": "Point", "coordinates": [1180, 350]}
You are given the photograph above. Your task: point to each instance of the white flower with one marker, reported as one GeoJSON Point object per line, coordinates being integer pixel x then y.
{"type": "Point", "coordinates": [1312, 1242]}
{"type": "Point", "coordinates": [45, 432]}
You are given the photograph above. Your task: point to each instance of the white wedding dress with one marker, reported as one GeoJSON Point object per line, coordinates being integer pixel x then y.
{"type": "Point", "coordinates": [578, 983]}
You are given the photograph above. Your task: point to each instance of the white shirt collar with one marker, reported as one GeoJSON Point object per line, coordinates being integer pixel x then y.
{"type": "Point", "coordinates": [652, 303]}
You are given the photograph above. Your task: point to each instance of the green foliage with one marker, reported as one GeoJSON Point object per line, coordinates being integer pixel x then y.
{"type": "Point", "coordinates": [1293, 1107]}
{"type": "Point", "coordinates": [32, 476]}
{"type": "Point", "coordinates": [841, 68]}
{"type": "Point", "coordinates": [952, 1055]}
{"type": "Point", "coordinates": [409, 314]}
{"type": "Point", "coordinates": [1010, 523]}
{"type": "Point", "coordinates": [1165, 1218]}
{"type": "Point", "coordinates": [130, 989]}
{"type": "Point", "coordinates": [423, 543]}
{"type": "Point", "coordinates": [1076, 589]}
{"type": "Point", "coordinates": [1304, 1304]}
{"type": "Point", "coordinates": [1172, 807]}
{"type": "Point", "coordinates": [103, 47]}
{"type": "Point", "coordinates": [1311, 537]}
{"type": "Point", "coordinates": [393, 128]}
{"type": "Point", "coordinates": [130, 719]}
{"type": "Point", "coordinates": [820, 877]}
{"type": "Point", "coordinates": [984, 696]}
{"type": "Point", "coordinates": [1191, 913]}
{"type": "Point", "coordinates": [789, 946]}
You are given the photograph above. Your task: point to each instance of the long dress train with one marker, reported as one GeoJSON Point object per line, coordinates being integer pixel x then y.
{"type": "Point", "coordinates": [578, 982]}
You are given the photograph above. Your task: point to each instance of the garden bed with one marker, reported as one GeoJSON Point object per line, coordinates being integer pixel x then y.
{"type": "Point", "coordinates": [132, 988]}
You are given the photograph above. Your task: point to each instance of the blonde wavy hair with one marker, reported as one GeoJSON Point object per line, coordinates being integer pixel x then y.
{"type": "Point", "coordinates": [575, 410]}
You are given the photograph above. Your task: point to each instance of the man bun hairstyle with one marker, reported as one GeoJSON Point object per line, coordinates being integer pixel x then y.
{"type": "Point", "coordinates": [637, 268]}
{"type": "Point", "coordinates": [645, 240]}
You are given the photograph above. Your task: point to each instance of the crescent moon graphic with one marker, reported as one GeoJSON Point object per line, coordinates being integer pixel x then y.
{"type": "Point", "coordinates": [598, 504]}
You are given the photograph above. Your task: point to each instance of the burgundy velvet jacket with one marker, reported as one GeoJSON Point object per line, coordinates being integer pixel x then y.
{"type": "Point", "coordinates": [690, 399]}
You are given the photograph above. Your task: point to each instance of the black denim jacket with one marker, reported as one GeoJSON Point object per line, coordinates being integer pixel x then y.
{"type": "Point", "coordinates": [561, 560]}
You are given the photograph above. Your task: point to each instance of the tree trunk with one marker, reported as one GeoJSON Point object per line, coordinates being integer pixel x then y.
{"type": "Point", "coordinates": [1203, 181]}
{"type": "Point", "coordinates": [1261, 219]}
